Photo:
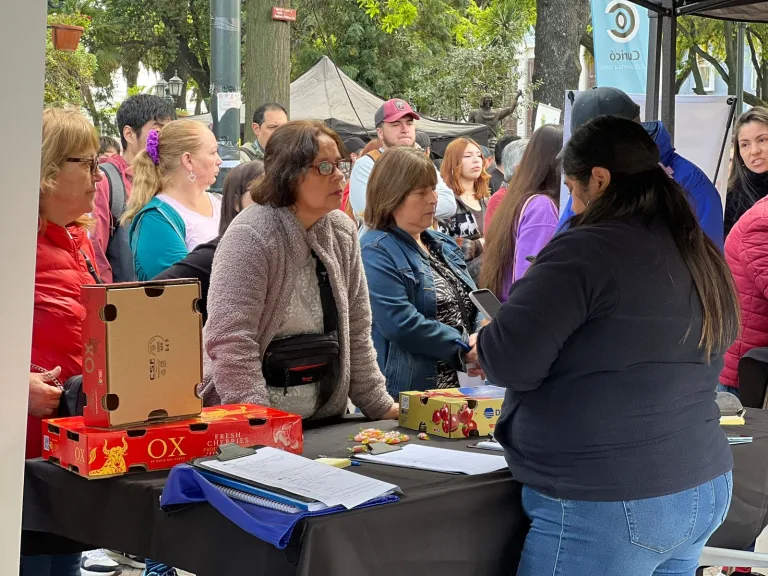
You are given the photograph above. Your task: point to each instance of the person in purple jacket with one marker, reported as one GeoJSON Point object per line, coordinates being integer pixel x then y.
{"type": "Point", "coordinates": [527, 217]}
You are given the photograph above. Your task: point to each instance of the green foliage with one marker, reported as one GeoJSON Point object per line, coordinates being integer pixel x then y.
{"type": "Point", "coordinates": [376, 60]}
{"type": "Point", "coordinates": [440, 54]}
{"type": "Point", "coordinates": [68, 75]}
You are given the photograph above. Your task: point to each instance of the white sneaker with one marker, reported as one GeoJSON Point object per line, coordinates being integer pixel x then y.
{"type": "Point", "coordinates": [125, 559]}
{"type": "Point", "coordinates": [97, 563]}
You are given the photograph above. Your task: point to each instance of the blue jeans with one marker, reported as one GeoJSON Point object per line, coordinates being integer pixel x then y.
{"type": "Point", "coordinates": [724, 388]}
{"type": "Point", "coordinates": [650, 537]}
{"type": "Point", "coordinates": [51, 565]}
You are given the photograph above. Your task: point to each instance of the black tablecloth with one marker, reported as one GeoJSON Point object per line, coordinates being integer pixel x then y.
{"type": "Point", "coordinates": [444, 524]}
{"type": "Point", "coordinates": [749, 509]}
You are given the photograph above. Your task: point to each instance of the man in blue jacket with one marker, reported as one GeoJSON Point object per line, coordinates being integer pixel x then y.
{"type": "Point", "coordinates": [702, 194]}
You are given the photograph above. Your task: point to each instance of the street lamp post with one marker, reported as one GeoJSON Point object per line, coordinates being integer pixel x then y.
{"type": "Point", "coordinates": [170, 90]}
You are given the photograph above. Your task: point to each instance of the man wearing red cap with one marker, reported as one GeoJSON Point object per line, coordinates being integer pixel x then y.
{"type": "Point", "coordinates": [395, 127]}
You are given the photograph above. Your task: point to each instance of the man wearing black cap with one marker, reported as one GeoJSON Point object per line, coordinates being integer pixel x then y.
{"type": "Point", "coordinates": [395, 127]}
{"type": "Point", "coordinates": [702, 194]}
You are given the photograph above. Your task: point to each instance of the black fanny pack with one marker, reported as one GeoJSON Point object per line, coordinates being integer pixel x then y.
{"type": "Point", "coordinates": [305, 358]}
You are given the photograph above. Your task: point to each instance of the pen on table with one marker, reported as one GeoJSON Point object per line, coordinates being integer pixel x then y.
{"type": "Point", "coordinates": [464, 346]}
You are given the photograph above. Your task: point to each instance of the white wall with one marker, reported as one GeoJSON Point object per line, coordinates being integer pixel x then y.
{"type": "Point", "coordinates": [21, 102]}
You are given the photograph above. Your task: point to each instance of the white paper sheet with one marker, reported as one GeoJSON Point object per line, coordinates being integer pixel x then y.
{"type": "Point", "coordinates": [304, 477]}
{"type": "Point", "coordinates": [439, 460]}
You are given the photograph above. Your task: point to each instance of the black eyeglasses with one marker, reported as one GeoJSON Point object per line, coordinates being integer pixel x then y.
{"type": "Point", "coordinates": [326, 168]}
{"type": "Point", "coordinates": [94, 162]}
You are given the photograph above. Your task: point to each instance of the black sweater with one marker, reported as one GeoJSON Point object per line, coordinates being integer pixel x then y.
{"type": "Point", "coordinates": [197, 264]}
{"type": "Point", "coordinates": [607, 398]}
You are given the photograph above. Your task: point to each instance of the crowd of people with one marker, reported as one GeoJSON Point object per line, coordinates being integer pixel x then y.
{"type": "Point", "coordinates": [610, 420]}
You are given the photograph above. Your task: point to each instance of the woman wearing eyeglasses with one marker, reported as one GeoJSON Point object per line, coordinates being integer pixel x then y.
{"type": "Point", "coordinates": [69, 172]}
{"type": "Point", "coordinates": [170, 211]}
{"type": "Point", "coordinates": [273, 270]}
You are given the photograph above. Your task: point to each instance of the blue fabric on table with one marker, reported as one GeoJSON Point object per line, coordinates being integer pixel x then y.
{"type": "Point", "coordinates": [186, 486]}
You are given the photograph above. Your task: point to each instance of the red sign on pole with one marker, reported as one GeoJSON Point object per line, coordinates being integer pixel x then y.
{"type": "Point", "coordinates": [284, 14]}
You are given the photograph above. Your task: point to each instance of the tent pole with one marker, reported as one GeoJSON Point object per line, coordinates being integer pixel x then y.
{"type": "Point", "coordinates": [668, 67]}
{"type": "Point", "coordinates": [654, 63]}
{"type": "Point", "coordinates": [732, 102]}
{"type": "Point", "coordinates": [740, 30]}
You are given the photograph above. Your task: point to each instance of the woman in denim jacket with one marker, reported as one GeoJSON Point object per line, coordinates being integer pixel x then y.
{"type": "Point", "coordinates": [417, 279]}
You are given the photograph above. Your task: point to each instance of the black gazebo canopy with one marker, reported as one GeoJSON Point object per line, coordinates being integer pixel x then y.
{"type": "Point", "coordinates": [663, 39]}
{"type": "Point", "coordinates": [739, 10]}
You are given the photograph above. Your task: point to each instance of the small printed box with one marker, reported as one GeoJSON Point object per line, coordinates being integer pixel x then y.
{"type": "Point", "coordinates": [142, 352]}
{"type": "Point", "coordinates": [98, 453]}
{"type": "Point", "coordinates": [452, 412]}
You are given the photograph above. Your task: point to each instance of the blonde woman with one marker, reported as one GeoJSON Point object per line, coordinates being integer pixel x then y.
{"type": "Point", "coordinates": [69, 171]}
{"type": "Point", "coordinates": [170, 212]}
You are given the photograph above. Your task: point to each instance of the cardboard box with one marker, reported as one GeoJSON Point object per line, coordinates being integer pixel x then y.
{"type": "Point", "coordinates": [452, 412]}
{"type": "Point", "coordinates": [142, 352]}
{"type": "Point", "coordinates": [98, 453]}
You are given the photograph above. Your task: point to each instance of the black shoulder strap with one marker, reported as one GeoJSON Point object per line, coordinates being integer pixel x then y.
{"type": "Point", "coordinates": [330, 314]}
{"type": "Point", "coordinates": [116, 193]}
{"type": "Point", "coordinates": [91, 268]}
{"type": "Point", "coordinates": [248, 151]}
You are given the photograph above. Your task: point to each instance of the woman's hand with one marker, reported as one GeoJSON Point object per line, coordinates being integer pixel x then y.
{"type": "Point", "coordinates": [472, 360]}
{"type": "Point", "coordinates": [393, 413]}
{"type": "Point", "coordinates": [471, 356]}
{"type": "Point", "coordinates": [44, 396]}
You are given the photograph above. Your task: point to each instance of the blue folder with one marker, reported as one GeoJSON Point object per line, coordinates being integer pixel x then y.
{"type": "Point", "coordinates": [186, 486]}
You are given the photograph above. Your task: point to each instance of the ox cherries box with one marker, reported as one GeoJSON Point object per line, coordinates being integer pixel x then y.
{"type": "Point", "coordinates": [452, 412]}
{"type": "Point", "coordinates": [97, 453]}
{"type": "Point", "coordinates": [142, 352]}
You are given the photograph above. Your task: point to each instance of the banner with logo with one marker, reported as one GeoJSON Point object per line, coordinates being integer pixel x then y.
{"type": "Point", "coordinates": [620, 35]}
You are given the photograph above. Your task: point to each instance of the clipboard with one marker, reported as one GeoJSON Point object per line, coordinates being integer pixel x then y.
{"type": "Point", "coordinates": [227, 452]}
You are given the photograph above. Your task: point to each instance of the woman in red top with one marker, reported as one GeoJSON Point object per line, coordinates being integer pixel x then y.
{"type": "Point", "coordinates": [69, 172]}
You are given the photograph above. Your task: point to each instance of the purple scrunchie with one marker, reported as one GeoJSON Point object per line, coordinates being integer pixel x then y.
{"type": "Point", "coordinates": [152, 147]}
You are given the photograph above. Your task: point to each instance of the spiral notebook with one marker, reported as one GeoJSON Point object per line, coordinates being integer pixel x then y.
{"type": "Point", "coordinates": [262, 497]}
{"type": "Point", "coordinates": [257, 500]}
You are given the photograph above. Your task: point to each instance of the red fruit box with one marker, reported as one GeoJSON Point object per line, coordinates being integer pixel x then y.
{"type": "Point", "coordinates": [452, 412]}
{"type": "Point", "coordinates": [99, 453]}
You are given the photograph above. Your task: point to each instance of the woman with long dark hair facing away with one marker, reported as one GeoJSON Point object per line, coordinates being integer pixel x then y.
{"type": "Point", "coordinates": [749, 172]}
{"type": "Point", "coordinates": [608, 348]}
{"type": "Point", "coordinates": [528, 216]}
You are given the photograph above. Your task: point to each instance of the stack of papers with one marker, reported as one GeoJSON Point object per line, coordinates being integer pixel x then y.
{"type": "Point", "coordinates": [301, 476]}
{"type": "Point", "coordinates": [439, 460]}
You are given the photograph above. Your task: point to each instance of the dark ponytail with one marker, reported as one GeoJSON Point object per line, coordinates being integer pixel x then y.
{"type": "Point", "coordinates": [639, 186]}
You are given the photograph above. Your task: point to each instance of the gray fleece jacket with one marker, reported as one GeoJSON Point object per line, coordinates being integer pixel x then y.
{"type": "Point", "coordinates": [254, 273]}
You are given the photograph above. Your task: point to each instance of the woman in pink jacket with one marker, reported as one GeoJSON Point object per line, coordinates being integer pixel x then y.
{"type": "Point", "coordinates": [746, 248]}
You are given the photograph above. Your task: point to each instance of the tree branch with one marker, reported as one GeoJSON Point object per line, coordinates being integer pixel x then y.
{"type": "Point", "coordinates": [588, 42]}
{"type": "Point", "coordinates": [693, 64]}
{"type": "Point", "coordinates": [720, 70]}
{"type": "Point", "coordinates": [681, 78]}
{"type": "Point", "coordinates": [753, 54]}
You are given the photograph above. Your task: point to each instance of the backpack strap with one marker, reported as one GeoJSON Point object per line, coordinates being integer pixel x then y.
{"type": "Point", "coordinates": [117, 194]}
{"type": "Point", "coordinates": [330, 314]}
{"type": "Point", "coordinates": [248, 151]}
{"type": "Point", "coordinates": [374, 155]}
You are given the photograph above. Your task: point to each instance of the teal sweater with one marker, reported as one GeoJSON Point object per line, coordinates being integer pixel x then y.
{"type": "Point", "coordinates": [157, 237]}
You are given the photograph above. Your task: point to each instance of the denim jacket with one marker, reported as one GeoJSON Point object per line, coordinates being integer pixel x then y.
{"type": "Point", "coordinates": [409, 340]}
